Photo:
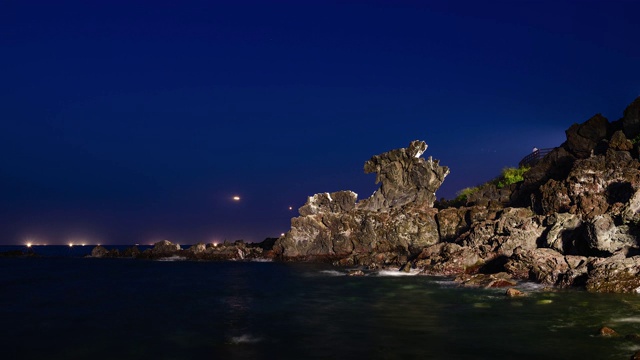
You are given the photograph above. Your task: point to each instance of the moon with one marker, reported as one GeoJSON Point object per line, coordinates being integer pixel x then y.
{"type": "Point", "coordinates": [236, 198]}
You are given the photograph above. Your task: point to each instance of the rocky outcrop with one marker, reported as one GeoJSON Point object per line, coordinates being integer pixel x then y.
{"type": "Point", "coordinates": [165, 249]}
{"type": "Point", "coordinates": [582, 139]}
{"type": "Point", "coordinates": [631, 120]}
{"type": "Point", "coordinates": [389, 228]}
{"type": "Point", "coordinates": [617, 274]}
{"type": "Point", "coordinates": [405, 177]}
{"type": "Point", "coordinates": [99, 252]}
{"type": "Point", "coordinates": [573, 221]}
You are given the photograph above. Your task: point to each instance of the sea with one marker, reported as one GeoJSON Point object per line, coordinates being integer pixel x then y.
{"type": "Point", "coordinates": [63, 305]}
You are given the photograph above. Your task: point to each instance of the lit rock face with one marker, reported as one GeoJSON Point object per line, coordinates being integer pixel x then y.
{"type": "Point", "coordinates": [388, 228]}
{"type": "Point", "coordinates": [406, 178]}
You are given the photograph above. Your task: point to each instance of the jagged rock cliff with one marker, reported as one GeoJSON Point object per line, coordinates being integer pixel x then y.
{"type": "Point", "coordinates": [573, 221]}
{"type": "Point", "coordinates": [390, 227]}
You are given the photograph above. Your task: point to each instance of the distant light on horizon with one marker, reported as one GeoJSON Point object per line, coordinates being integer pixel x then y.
{"type": "Point", "coordinates": [70, 244]}
{"type": "Point", "coordinates": [282, 234]}
{"type": "Point", "coordinates": [28, 244]}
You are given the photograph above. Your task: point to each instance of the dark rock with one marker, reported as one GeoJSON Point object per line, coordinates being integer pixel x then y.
{"type": "Point", "coordinates": [17, 253]}
{"type": "Point", "coordinates": [406, 267]}
{"type": "Point", "coordinates": [582, 139]}
{"type": "Point", "coordinates": [565, 230]}
{"type": "Point", "coordinates": [614, 274]}
{"type": "Point", "coordinates": [635, 356]}
{"type": "Point", "coordinates": [497, 280]}
{"type": "Point", "coordinates": [99, 252]}
{"type": "Point", "coordinates": [547, 266]}
{"type": "Point", "coordinates": [452, 222]}
{"type": "Point", "coordinates": [196, 249]}
{"type": "Point", "coordinates": [631, 119]}
{"type": "Point", "coordinates": [131, 252]}
{"type": "Point", "coordinates": [449, 259]}
{"type": "Point", "coordinates": [267, 244]}
{"type": "Point", "coordinates": [164, 248]}
{"type": "Point", "coordinates": [620, 142]}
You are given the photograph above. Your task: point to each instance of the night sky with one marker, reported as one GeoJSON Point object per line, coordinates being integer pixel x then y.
{"type": "Point", "coordinates": [128, 122]}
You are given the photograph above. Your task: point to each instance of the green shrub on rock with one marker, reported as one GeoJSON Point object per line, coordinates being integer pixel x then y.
{"type": "Point", "coordinates": [511, 175]}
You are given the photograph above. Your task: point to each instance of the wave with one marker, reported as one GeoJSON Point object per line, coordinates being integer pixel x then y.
{"type": "Point", "coordinates": [446, 283]}
{"type": "Point", "coordinates": [333, 273]}
{"type": "Point", "coordinates": [630, 319]}
{"type": "Point", "coordinates": [398, 273]}
{"type": "Point", "coordinates": [173, 258]}
{"type": "Point", "coordinates": [245, 339]}
{"type": "Point", "coordinates": [531, 286]}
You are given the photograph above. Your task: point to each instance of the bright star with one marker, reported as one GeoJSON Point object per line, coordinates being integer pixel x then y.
{"type": "Point", "coordinates": [236, 198]}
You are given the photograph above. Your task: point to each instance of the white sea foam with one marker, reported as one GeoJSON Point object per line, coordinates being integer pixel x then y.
{"type": "Point", "coordinates": [630, 319]}
{"type": "Point", "coordinates": [397, 273]}
{"type": "Point", "coordinates": [261, 260]}
{"type": "Point", "coordinates": [530, 286]}
{"type": "Point", "coordinates": [245, 339]}
{"type": "Point", "coordinates": [332, 273]}
{"type": "Point", "coordinates": [446, 283]}
{"type": "Point", "coordinates": [173, 258]}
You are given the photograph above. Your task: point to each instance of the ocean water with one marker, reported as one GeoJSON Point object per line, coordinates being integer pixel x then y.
{"type": "Point", "coordinates": [64, 306]}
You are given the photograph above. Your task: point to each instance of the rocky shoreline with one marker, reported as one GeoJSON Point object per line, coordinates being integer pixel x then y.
{"type": "Point", "coordinates": [573, 221]}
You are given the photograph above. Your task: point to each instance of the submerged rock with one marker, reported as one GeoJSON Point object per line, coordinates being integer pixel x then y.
{"type": "Point", "coordinates": [497, 280]}
{"type": "Point", "coordinates": [511, 292]}
{"type": "Point", "coordinates": [607, 332]}
{"type": "Point", "coordinates": [355, 273]}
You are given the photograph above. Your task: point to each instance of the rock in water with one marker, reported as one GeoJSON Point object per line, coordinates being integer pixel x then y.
{"type": "Point", "coordinates": [99, 252]}
{"type": "Point", "coordinates": [165, 248]}
{"type": "Point", "coordinates": [607, 331]}
{"type": "Point", "coordinates": [511, 292]}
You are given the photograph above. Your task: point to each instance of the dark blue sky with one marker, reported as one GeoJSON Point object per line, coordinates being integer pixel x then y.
{"type": "Point", "coordinates": [131, 122]}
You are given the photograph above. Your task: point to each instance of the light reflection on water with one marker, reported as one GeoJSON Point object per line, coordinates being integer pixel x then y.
{"type": "Point", "coordinates": [104, 309]}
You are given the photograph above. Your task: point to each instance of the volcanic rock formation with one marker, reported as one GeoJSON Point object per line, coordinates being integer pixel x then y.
{"type": "Point", "coordinates": [390, 227]}
{"type": "Point", "coordinates": [573, 221]}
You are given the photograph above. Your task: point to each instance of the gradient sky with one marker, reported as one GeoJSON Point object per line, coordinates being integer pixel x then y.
{"type": "Point", "coordinates": [134, 121]}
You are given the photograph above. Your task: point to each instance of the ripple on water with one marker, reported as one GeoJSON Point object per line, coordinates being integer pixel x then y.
{"type": "Point", "coordinates": [332, 273]}
{"type": "Point", "coordinates": [630, 319]}
{"type": "Point", "coordinates": [245, 339]}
